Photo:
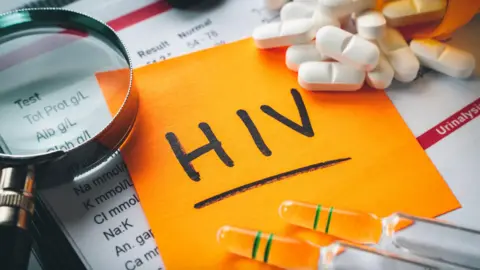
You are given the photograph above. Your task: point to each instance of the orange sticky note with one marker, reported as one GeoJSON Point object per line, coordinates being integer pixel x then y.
{"type": "Point", "coordinates": [225, 135]}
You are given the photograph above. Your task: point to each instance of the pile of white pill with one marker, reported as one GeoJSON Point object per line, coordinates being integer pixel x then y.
{"type": "Point", "coordinates": [337, 45]}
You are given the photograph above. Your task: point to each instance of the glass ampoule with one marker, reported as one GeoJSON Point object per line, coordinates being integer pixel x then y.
{"type": "Point", "coordinates": [294, 254]}
{"type": "Point", "coordinates": [415, 237]}
{"type": "Point", "coordinates": [358, 227]}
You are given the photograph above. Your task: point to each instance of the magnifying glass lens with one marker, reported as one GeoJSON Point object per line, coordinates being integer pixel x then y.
{"type": "Point", "coordinates": [64, 91]}
{"type": "Point", "coordinates": [51, 97]}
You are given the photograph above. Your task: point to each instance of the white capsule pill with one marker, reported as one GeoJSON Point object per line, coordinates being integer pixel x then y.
{"type": "Point", "coordinates": [399, 55]}
{"type": "Point", "coordinates": [371, 25]}
{"type": "Point", "coordinates": [274, 4]}
{"type": "Point", "coordinates": [347, 48]}
{"type": "Point", "coordinates": [381, 77]}
{"type": "Point", "coordinates": [342, 8]}
{"type": "Point", "coordinates": [408, 12]}
{"type": "Point", "coordinates": [443, 58]}
{"type": "Point", "coordinates": [330, 76]}
{"type": "Point", "coordinates": [298, 54]}
{"type": "Point", "coordinates": [296, 10]}
{"type": "Point", "coordinates": [323, 18]}
{"type": "Point", "coordinates": [312, 3]}
{"type": "Point", "coordinates": [280, 34]}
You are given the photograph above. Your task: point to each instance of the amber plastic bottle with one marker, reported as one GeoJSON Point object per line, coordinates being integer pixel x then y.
{"type": "Point", "coordinates": [457, 14]}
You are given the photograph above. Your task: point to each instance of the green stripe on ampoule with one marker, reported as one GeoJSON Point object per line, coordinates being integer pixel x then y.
{"type": "Point", "coordinates": [317, 216]}
{"type": "Point", "coordinates": [329, 219]}
{"type": "Point", "coordinates": [267, 248]}
{"type": "Point", "coordinates": [256, 242]}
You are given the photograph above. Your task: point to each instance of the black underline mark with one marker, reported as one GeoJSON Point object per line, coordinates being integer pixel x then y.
{"type": "Point", "coordinates": [268, 180]}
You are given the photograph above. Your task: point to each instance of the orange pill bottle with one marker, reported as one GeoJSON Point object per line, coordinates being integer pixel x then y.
{"type": "Point", "coordinates": [457, 14]}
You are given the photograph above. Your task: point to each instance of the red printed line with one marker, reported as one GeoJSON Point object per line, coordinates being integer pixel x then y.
{"type": "Point", "coordinates": [139, 15]}
{"type": "Point", "coordinates": [48, 44]}
{"type": "Point", "coordinates": [450, 125]}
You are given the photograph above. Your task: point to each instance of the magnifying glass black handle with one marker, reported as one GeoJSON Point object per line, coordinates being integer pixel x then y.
{"type": "Point", "coordinates": [16, 209]}
{"type": "Point", "coordinates": [15, 245]}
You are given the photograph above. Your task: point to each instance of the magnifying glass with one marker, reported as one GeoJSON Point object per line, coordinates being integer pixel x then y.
{"type": "Point", "coordinates": [66, 105]}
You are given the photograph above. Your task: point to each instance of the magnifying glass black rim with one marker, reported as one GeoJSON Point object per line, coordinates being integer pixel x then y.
{"type": "Point", "coordinates": [116, 132]}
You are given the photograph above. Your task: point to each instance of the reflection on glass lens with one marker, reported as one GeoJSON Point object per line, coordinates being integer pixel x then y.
{"type": "Point", "coordinates": [50, 95]}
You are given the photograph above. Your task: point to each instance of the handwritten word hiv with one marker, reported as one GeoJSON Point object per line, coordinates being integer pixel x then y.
{"type": "Point", "coordinates": [214, 144]}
